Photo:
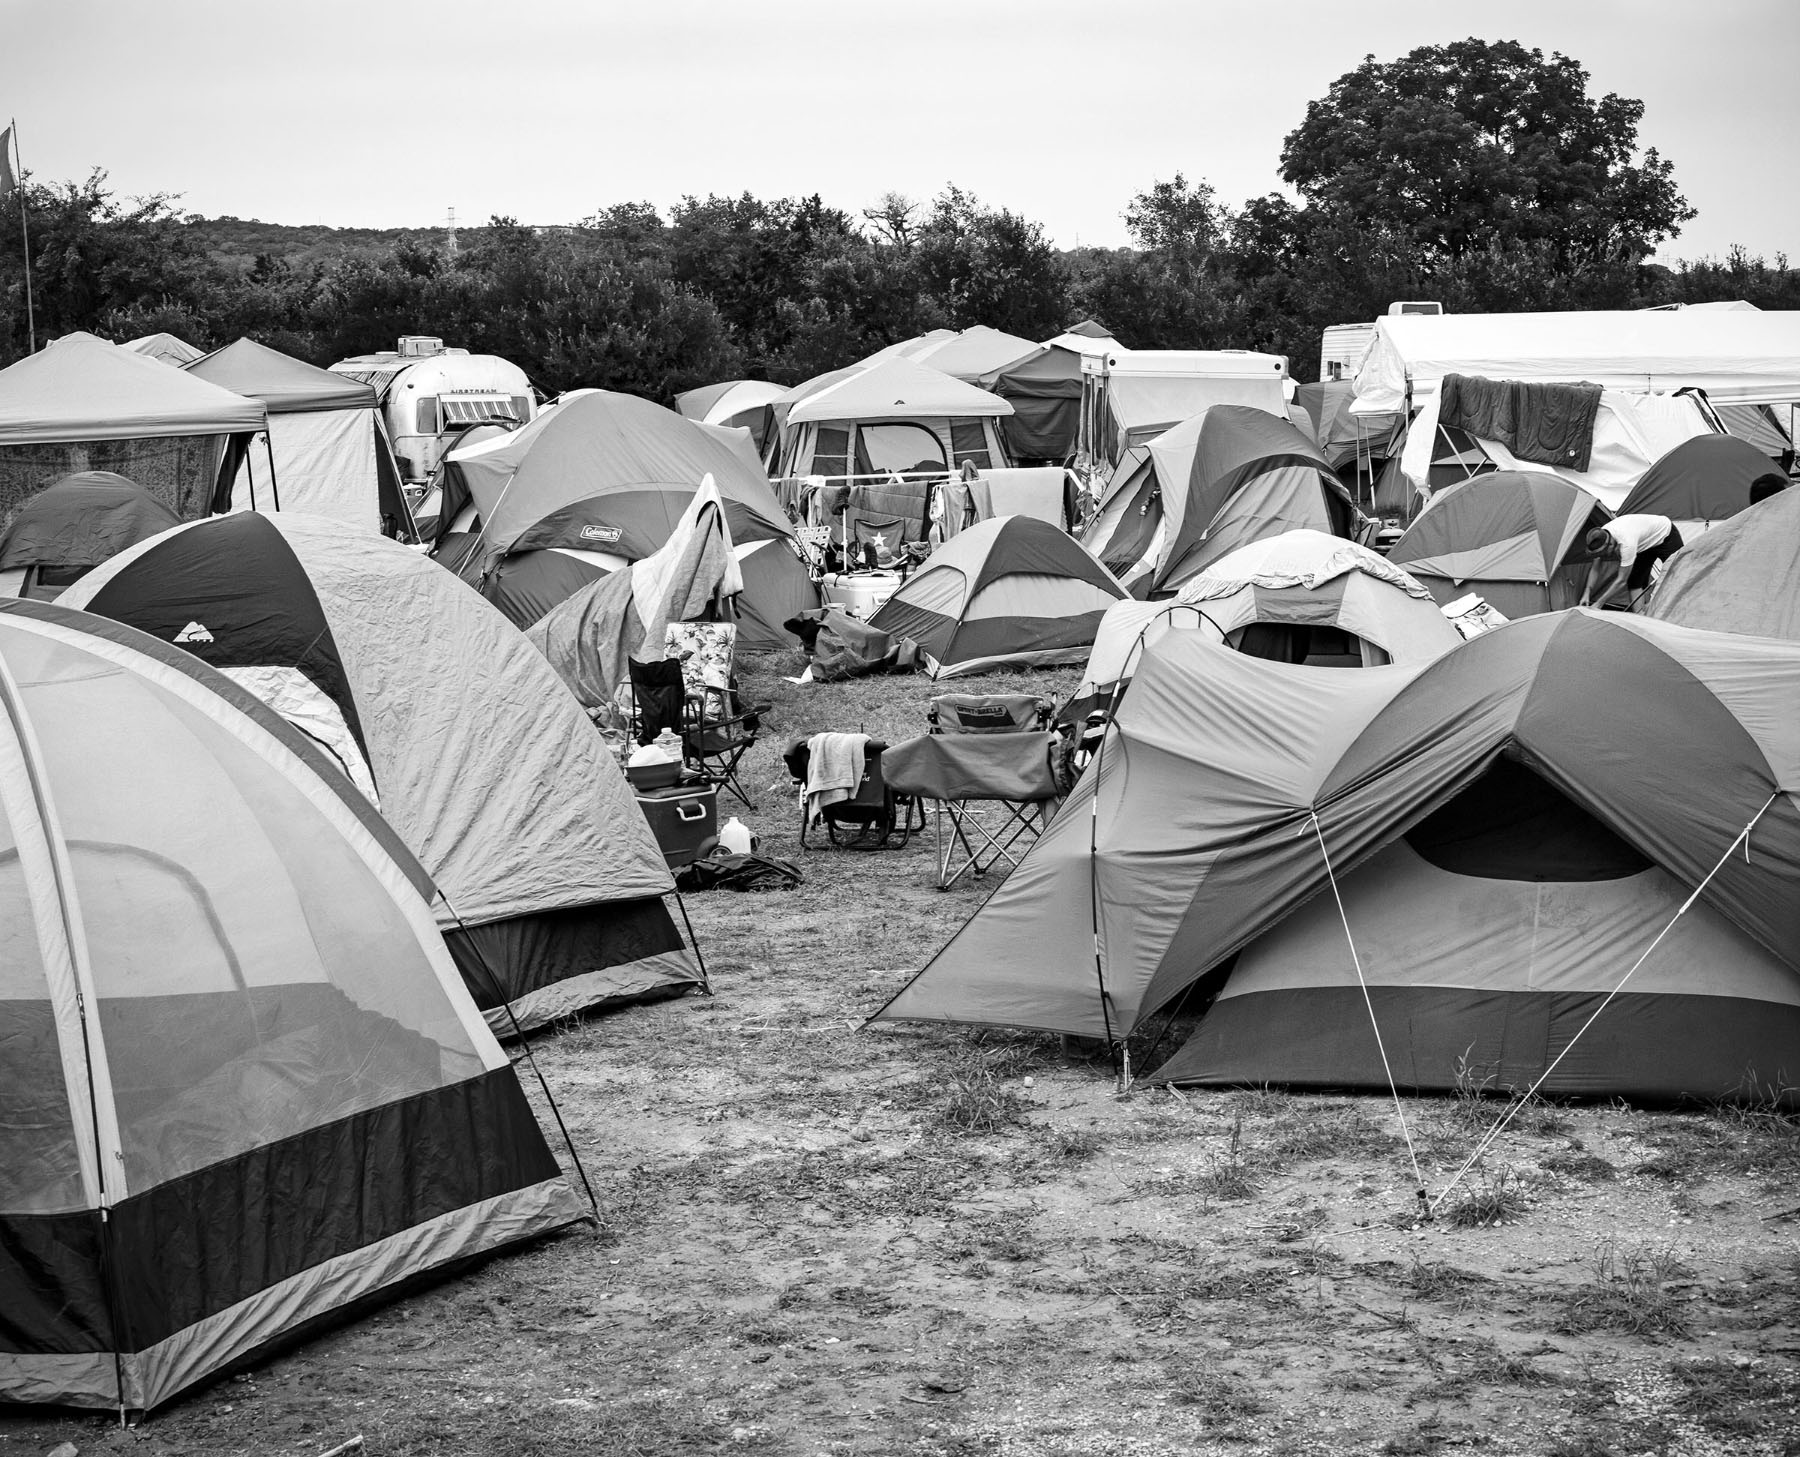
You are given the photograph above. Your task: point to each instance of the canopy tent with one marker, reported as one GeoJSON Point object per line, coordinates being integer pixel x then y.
{"type": "Point", "coordinates": [892, 416]}
{"type": "Point", "coordinates": [1199, 831]}
{"type": "Point", "coordinates": [72, 526]}
{"type": "Point", "coordinates": [747, 404]}
{"type": "Point", "coordinates": [164, 347]}
{"type": "Point", "coordinates": [606, 472]}
{"type": "Point", "coordinates": [1232, 476]}
{"type": "Point", "coordinates": [551, 882]}
{"type": "Point", "coordinates": [1518, 538]}
{"type": "Point", "coordinates": [244, 1089]}
{"type": "Point", "coordinates": [1736, 357]}
{"type": "Point", "coordinates": [1009, 591]}
{"type": "Point", "coordinates": [1700, 481]}
{"type": "Point", "coordinates": [975, 352]}
{"type": "Point", "coordinates": [327, 448]}
{"type": "Point", "coordinates": [1742, 576]}
{"type": "Point", "coordinates": [83, 404]}
{"type": "Point", "coordinates": [1044, 389]}
{"type": "Point", "coordinates": [1316, 598]}
{"type": "Point", "coordinates": [1086, 337]}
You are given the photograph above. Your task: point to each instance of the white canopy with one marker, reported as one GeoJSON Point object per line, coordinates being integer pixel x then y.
{"type": "Point", "coordinates": [1735, 355]}
{"type": "Point", "coordinates": [82, 388]}
{"type": "Point", "coordinates": [897, 388]}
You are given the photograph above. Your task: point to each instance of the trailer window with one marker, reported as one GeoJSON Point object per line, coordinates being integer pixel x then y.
{"type": "Point", "coordinates": [425, 417]}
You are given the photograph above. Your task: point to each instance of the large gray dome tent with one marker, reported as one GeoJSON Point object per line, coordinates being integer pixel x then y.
{"type": "Point", "coordinates": [1646, 750]}
{"type": "Point", "coordinates": [73, 525]}
{"type": "Point", "coordinates": [1701, 481]}
{"type": "Point", "coordinates": [243, 1090]}
{"type": "Point", "coordinates": [442, 712]}
{"type": "Point", "coordinates": [1742, 576]}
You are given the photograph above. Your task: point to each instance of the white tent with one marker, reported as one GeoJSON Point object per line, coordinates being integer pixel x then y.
{"type": "Point", "coordinates": [1736, 356]}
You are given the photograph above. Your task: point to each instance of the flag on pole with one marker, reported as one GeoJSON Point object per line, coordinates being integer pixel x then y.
{"type": "Point", "coordinates": [8, 181]}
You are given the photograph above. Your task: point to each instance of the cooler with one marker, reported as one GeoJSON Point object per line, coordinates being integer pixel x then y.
{"type": "Point", "coordinates": [684, 819]}
{"type": "Point", "coordinates": [858, 593]}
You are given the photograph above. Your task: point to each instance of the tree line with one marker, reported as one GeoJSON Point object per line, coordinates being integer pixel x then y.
{"type": "Point", "coordinates": [1480, 174]}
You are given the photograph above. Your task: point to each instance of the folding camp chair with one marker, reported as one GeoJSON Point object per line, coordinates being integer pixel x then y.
{"type": "Point", "coordinates": [988, 766]}
{"type": "Point", "coordinates": [870, 817]}
{"type": "Point", "coordinates": [717, 729]}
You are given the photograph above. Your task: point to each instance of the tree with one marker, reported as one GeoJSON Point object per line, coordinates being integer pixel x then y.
{"type": "Point", "coordinates": [982, 266]}
{"type": "Point", "coordinates": [1177, 217]}
{"type": "Point", "coordinates": [1478, 146]}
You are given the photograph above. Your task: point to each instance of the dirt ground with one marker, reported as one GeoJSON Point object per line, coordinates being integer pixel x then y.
{"type": "Point", "coordinates": [817, 1239]}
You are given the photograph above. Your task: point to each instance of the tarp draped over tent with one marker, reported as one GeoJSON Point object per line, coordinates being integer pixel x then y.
{"type": "Point", "coordinates": [591, 638]}
{"type": "Point", "coordinates": [83, 404]}
{"type": "Point", "coordinates": [1518, 538]}
{"type": "Point", "coordinates": [1289, 584]}
{"type": "Point", "coordinates": [1742, 576]}
{"type": "Point", "coordinates": [431, 702]}
{"type": "Point", "coordinates": [326, 441]}
{"type": "Point", "coordinates": [244, 1088]}
{"type": "Point", "coordinates": [1011, 590]}
{"type": "Point", "coordinates": [1234, 475]}
{"type": "Point", "coordinates": [1217, 767]}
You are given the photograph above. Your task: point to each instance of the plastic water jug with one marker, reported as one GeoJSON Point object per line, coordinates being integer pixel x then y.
{"type": "Point", "coordinates": [737, 837]}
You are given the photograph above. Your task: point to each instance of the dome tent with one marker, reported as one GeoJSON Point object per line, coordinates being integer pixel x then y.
{"type": "Point", "coordinates": [604, 474]}
{"type": "Point", "coordinates": [73, 525]}
{"type": "Point", "coordinates": [1199, 839]}
{"type": "Point", "coordinates": [1303, 596]}
{"type": "Point", "coordinates": [244, 1089]}
{"type": "Point", "coordinates": [1234, 474]}
{"type": "Point", "coordinates": [1518, 538]}
{"type": "Point", "coordinates": [1700, 481]}
{"type": "Point", "coordinates": [1127, 532]}
{"type": "Point", "coordinates": [438, 709]}
{"type": "Point", "coordinates": [1742, 576]}
{"type": "Point", "coordinates": [1009, 591]}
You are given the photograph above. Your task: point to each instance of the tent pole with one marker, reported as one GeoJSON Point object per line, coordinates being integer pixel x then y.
{"type": "Point", "coordinates": [25, 237]}
{"type": "Point", "coordinates": [269, 448]}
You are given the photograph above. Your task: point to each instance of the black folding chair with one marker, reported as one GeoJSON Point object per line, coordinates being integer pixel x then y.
{"type": "Point", "coordinates": [871, 817]}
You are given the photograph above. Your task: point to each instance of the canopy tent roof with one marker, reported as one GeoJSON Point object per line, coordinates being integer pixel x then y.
{"type": "Point", "coordinates": [1205, 464]}
{"type": "Point", "coordinates": [975, 352]}
{"type": "Point", "coordinates": [1735, 356]}
{"type": "Point", "coordinates": [165, 347]}
{"type": "Point", "coordinates": [79, 387]}
{"type": "Point", "coordinates": [440, 711]}
{"type": "Point", "coordinates": [714, 404]}
{"type": "Point", "coordinates": [284, 384]}
{"type": "Point", "coordinates": [612, 472]}
{"type": "Point", "coordinates": [224, 991]}
{"type": "Point", "coordinates": [1741, 576]}
{"type": "Point", "coordinates": [1707, 478]}
{"type": "Point", "coordinates": [1218, 768]}
{"type": "Point", "coordinates": [895, 388]}
{"type": "Point", "coordinates": [1087, 337]}
{"type": "Point", "coordinates": [1011, 589]}
{"type": "Point", "coordinates": [82, 520]}
{"type": "Point", "coordinates": [1300, 578]}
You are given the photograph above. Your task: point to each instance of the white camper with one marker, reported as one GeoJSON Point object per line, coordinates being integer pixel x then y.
{"type": "Point", "coordinates": [430, 394]}
{"type": "Point", "coordinates": [1130, 396]}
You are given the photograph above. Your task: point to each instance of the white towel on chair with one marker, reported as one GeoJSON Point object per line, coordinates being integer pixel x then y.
{"type": "Point", "coordinates": [834, 768]}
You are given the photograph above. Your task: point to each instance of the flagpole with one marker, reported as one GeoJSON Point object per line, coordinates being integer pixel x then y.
{"type": "Point", "coordinates": [25, 235]}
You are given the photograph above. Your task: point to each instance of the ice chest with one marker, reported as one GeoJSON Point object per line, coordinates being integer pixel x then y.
{"type": "Point", "coordinates": [683, 818]}
{"type": "Point", "coordinates": [859, 594]}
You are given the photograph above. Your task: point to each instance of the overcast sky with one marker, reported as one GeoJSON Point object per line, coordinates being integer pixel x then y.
{"type": "Point", "coordinates": [390, 112]}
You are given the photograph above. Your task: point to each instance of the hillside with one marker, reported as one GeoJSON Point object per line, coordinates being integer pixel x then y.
{"type": "Point", "coordinates": [239, 241]}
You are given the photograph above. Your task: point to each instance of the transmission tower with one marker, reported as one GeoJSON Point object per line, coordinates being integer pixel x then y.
{"type": "Point", "coordinates": [450, 234]}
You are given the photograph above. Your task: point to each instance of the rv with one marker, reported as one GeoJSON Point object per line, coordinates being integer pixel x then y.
{"type": "Point", "coordinates": [1345, 346]}
{"type": "Point", "coordinates": [429, 395]}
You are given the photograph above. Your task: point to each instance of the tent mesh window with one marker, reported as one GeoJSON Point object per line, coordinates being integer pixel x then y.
{"type": "Point", "coordinates": [968, 442]}
{"type": "Point", "coordinates": [831, 451]}
{"type": "Point", "coordinates": [179, 470]}
{"type": "Point", "coordinates": [1511, 825]}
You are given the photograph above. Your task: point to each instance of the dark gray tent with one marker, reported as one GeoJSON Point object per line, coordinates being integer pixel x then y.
{"type": "Point", "coordinates": [1527, 810]}
{"type": "Point", "coordinates": [1702, 480]}
{"type": "Point", "coordinates": [1742, 576]}
{"type": "Point", "coordinates": [72, 526]}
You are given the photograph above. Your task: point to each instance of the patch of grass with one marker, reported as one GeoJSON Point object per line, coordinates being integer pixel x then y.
{"type": "Point", "coordinates": [1629, 1293]}
{"type": "Point", "coordinates": [1304, 1133]}
{"type": "Point", "coordinates": [1073, 1145]}
{"type": "Point", "coordinates": [1487, 1196]}
{"type": "Point", "coordinates": [1003, 1235]}
{"type": "Point", "coordinates": [1440, 1283]}
{"type": "Point", "coordinates": [1583, 1167]}
{"type": "Point", "coordinates": [1733, 1400]}
{"type": "Point", "coordinates": [1223, 1397]}
{"type": "Point", "coordinates": [1230, 1175]}
{"type": "Point", "coordinates": [978, 1102]}
{"type": "Point", "coordinates": [1426, 1438]}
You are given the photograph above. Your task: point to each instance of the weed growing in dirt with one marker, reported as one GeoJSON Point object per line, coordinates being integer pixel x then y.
{"type": "Point", "coordinates": [1223, 1397]}
{"type": "Point", "coordinates": [1578, 1164]}
{"type": "Point", "coordinates": [1733, 1400]}
{"type": "Point", "coordinates": [978, 1102]}
{"type": "Point", "coordinates": [1440, 1283]}
{"type": "Point", "coordinates": [1073, 1145]}
{"type": "Point", "coordinates": [1629, 1293]}
{"type": "Point", "coordinates": [1229, 1175]}
{"type": "Point", "coordinates": [1488, 1196]}
{"type": "Point", "coordinates": [1306, 1133]}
